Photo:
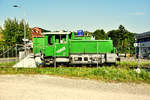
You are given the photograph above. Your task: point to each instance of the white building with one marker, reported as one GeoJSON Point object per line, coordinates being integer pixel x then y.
{"type": "Point", "coordinates": [143, 45]}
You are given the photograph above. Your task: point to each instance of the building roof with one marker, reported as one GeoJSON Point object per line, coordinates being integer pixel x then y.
{"type": "Point", "coordinates": [42, 30]}
{"type": "Point", "coordinates": [36, 32]}
{"type": "Point", "coordinates": [143, 35]}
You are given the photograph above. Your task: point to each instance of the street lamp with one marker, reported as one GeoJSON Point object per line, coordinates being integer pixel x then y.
{"type": "Point", "coordinates": [16, 6]}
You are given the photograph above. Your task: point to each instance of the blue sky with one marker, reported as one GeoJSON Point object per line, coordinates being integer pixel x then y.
{"type": "Point", "coordinates": [88, 15]}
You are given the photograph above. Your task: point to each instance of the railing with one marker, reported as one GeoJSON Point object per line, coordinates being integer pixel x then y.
{"type": "Point", "coordinates": [11, 53]}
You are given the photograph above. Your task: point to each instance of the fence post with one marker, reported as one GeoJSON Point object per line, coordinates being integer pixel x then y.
{"type": "Point", "coordinates": [12, 54]}
{"type": "Point", "coordinates": [8, 52]}
{"type": "Point", "coordinates": [16, 53]}
{"type": "Point", "coordinates": [3, 52]}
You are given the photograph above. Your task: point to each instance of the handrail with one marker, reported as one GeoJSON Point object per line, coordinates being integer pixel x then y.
{"type": "Point", "coordinates": [6, 51]}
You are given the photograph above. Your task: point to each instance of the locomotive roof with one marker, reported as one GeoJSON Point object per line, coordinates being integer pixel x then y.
{"type": "Point", "coordinates": [57, 33]}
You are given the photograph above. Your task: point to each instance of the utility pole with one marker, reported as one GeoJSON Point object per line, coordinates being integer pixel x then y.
{"type": "Point", "coordinates": [139, 55]}
{"type": "Point", "coordinates": [55, 58]}
{"type": "Point", "coordinates": [24, 22]}
{"type": "Point", "coordinates": [97, 52]}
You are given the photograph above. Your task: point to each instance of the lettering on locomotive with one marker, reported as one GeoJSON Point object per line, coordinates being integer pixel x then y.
{"type": "Point", "coordinates": [60, 50]}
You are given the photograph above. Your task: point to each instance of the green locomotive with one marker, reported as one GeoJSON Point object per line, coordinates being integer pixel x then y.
{"type": "Point", "coordinates": [68, 47]}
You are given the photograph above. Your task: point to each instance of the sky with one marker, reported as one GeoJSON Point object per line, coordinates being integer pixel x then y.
{"type": "Point", "coordinates": [72, 15]}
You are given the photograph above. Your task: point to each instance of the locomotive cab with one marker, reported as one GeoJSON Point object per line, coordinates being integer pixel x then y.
{"type": "Point", "coordinates": [56, 47]}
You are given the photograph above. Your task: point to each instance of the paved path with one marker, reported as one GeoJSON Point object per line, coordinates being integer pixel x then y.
{"type": "Point", "coordinates": [27, 62]}
{"type": "Point", "coordinates": [6, 60]}
{"type": "Point", "coordinates": [42, 87]}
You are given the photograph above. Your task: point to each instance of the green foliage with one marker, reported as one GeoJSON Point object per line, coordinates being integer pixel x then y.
{"type": "Point", "coordinates": [123, 40]}
{"type": "Point", "coordinates": [128, 64]}
{"type": "Point", "coordinates": [107, 74]}
{"type": "Point", "coordinates": [13, 31]}
{"type": "Point", "coordinates": [100, 35]}
{"type": "Point", "coordinates": [10, 64]}
{"type": "Point", "coordinates": [115, 37]}
{"type": "Point", "coordinates": [0, 29]}
{"type": "Point", "coordinates": [88, 33]}
{"type": "Point", "coordinates": [0, 34]}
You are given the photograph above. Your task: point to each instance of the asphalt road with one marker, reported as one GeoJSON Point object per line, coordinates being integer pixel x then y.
{"type": "Point", "coordinates": [43, 87]}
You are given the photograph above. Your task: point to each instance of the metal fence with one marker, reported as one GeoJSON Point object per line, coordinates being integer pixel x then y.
{"type": "Point", "coordinates": [10, 53]}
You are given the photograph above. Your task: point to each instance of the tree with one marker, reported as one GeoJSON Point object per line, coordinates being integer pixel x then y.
{"type": "Point", "coordinates": [0, 29]}
{"type": "Point", "coordinates": [0, 33]}
{"type": "Point", "coordinates": [123, 39]}
{"type": "Point", "coordinates": [131, 41]}
{"type": "Point", "coordinates": [100, 35]}
{"type": "Point", "coordinates": [88, 33]}
{"type": "Point", "coordinates": [13, 31]}
{"type": "Point", "coordinates": [114, 35]}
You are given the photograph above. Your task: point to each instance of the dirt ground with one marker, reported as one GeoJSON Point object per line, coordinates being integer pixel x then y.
{"type": "Point", "coordinates": [44, 87]}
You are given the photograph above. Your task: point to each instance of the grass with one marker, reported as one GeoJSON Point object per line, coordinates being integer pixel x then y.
{"type": "Point", "coordinates": [122, 73]}
{"type": "Point", "coordinates": [127, 64]}
{"type": "Point", "coordinates": [108, 74]}
{"type": "Point", "coordinates": [7, 64]}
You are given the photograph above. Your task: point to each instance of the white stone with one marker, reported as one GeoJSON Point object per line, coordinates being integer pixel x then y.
{"type": "Point", "coordinates": [138, 70]}
{"type": "Point", "coordinates": [27, 62]}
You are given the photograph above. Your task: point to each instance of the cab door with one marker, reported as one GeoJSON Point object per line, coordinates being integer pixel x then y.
{"type": "Point", "coordinates": [61, 46]}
